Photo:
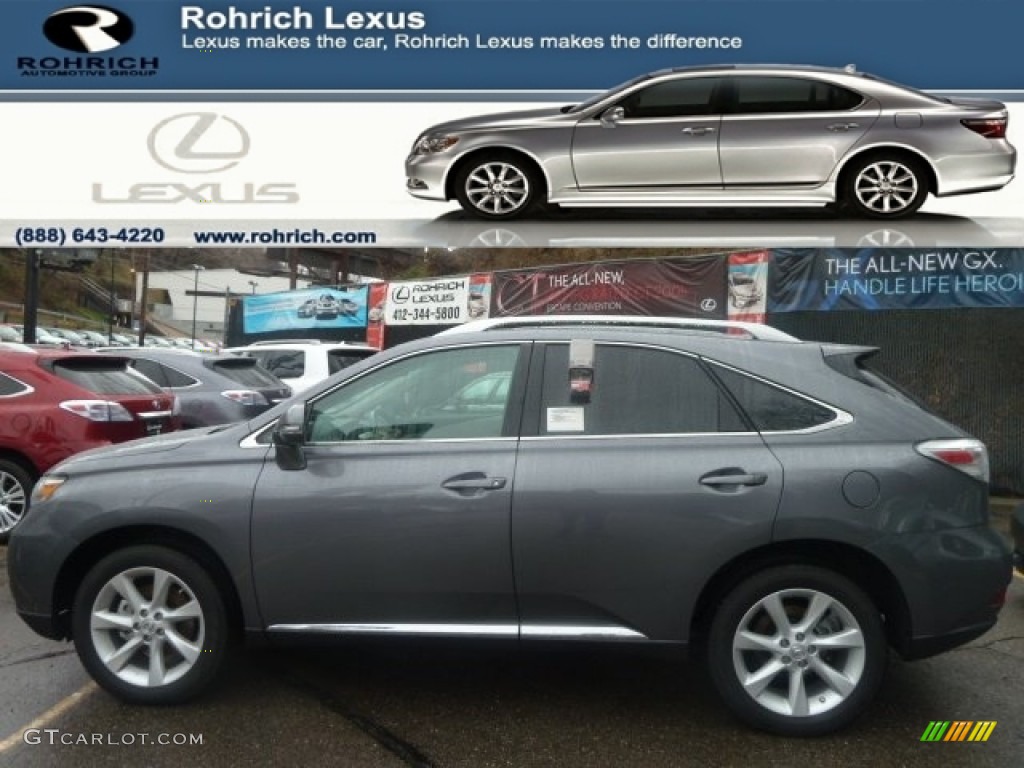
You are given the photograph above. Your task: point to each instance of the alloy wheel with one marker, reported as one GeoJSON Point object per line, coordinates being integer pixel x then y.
{"type": "Point", "coordinates": [799, 652]}
{"type": "Point", "coordinates": [497, 188]}
{"type": "Point", "coordinates": [13, 501]}
{"type": "Point", "coordinates": [147, 627]}
{"type": "Point", "coordinates": [886, 187]}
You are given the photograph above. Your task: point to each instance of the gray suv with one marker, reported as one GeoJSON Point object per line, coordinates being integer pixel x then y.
{"type": "Point", "coordinates": [730, 136]}
{"type": "Point", "coordinates": [642, 481]}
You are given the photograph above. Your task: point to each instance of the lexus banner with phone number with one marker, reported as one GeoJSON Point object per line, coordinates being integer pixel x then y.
{"type": "Point", "coordinates": [872, 279]}
{"type": "Point", "coordinates": [692, 287]}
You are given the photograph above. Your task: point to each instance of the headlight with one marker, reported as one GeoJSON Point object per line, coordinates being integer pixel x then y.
{"type": "Point", "coordinates": [434, 143]}
{"type": "Point", "coordinates": [46, 487]}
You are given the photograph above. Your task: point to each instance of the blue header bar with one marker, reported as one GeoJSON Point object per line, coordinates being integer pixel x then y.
{"type": "Point", "coordinates": [558, 45]}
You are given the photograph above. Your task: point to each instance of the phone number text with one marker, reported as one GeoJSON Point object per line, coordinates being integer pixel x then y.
{"type": "Point", "coordinates": [87, 235]}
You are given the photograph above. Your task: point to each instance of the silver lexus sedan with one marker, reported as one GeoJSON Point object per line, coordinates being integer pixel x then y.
{"type": "Point", "coordinates": [732, 136]}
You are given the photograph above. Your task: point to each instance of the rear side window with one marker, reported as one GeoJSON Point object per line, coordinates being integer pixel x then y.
{"type": "Point", "coordinates": [247, 372]}
{"type": "Point", "coordinates": [773, 409]}
{"type": "Point", "coordinates": [338, 359]}
{"type": "Point", "coordinates": [637, 391]}
{"type": "Point", "coordinates": [285, 364]}
{"type": "Point", "coordinates": [12, 387]}
{"type": "Point", "coordinates": [104, 377]}
{"type": "Point", "coordinates": [152, 370]}
{"type": "Point", "coordinates": [765, 95]}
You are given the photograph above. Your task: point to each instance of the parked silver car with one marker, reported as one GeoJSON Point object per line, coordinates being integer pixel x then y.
{"type": "Point", "coordinates": [722, 136]}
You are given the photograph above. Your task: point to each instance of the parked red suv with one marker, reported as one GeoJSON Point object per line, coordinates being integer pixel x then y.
{"type": "Point", "coordinates": [54, 404]}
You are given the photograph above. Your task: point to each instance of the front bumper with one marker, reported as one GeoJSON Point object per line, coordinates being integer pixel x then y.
{"type": "Point", "coordinates": [426, 175]}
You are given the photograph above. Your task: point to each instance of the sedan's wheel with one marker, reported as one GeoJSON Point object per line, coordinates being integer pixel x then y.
{"type": "Point", "coordinates": [499, 186]}
{"type": "Point", "coordinates": [797, 650]}
{"type": "Point", "coordinates": [149, 625]}
{"type": "Point", "coordinates": [884, 187]}
{"type": "Point", "coordinates": [15, 487]}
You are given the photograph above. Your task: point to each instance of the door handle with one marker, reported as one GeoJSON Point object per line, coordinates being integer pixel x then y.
{"type": "Point", "coordinates": [698, 131]}
{"type": "Point", "coordinates": [843, 126]}
{"type": "Point", "coordinates": [474, 483]}
{"type": "Point", "coordinates": [740, 478]}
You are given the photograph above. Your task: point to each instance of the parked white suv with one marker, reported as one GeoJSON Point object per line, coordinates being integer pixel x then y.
{"type": "Point", "coordinates": [301, 364]}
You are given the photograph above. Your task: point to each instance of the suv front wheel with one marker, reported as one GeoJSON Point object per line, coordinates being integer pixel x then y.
{"type": "Point", "coordinates": [150, 626]}
{"type": "Point", "coordinates": [797, 650]}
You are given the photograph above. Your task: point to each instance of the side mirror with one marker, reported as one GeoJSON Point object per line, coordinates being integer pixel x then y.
{"type": "Point", "coordinates": [289, 437]}
{"type": "Point", "coordinates": [612, 117]}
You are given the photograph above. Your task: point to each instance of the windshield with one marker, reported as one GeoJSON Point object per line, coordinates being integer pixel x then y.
{"type": "Point", "coordinates": [594, 100]}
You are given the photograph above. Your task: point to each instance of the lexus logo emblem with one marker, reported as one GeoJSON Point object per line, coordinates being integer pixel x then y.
{"type": "Point", "coordinates": [198, 142]}
{"type": "Point", "coordinates": [401, 294]}
{"type": "Point", "coordinates": [708, 305]}
{"type": "Point", "coordinates": [88, 28]}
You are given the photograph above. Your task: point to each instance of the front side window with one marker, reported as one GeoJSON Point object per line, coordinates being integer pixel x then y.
{"type": "Point", "coordinates": [681, 97]}
{"type": "Point", "coordinates": [636, 391]}
{"type": "Point", "coordinates": [767, 95]}
{"type": "Point", "coordinates": [421, 398]}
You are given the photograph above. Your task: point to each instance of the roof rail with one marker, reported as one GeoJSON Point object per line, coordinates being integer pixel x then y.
{"type": "Point", "coordinates": [752, 330]}
{"type": "Point", "coordinates": [284, 341]}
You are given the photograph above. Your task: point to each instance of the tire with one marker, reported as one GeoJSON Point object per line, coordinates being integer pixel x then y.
{"type": "Point", "coordinates": [519, 190]}
{"type": "Point", "coordinates": [885, 185]}
{"type": "Point", "coordinates": [854, 669]}
{"type": "Point", "coordinates": [191, 657]}
{"type": "Point", "coordinates": [15, 488]}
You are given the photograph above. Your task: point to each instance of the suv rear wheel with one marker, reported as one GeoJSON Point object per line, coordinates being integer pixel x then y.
{"type": "Point", "coordinates": [15, 487]}
{"type": "Point", "coordinates": [150, 626]}
{"type": "Point", "coordinates": [797, 650]}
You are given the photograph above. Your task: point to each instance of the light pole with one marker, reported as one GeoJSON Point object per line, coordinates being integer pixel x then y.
{"type": "Point", "coordinates": [196, 269]}
{"type": "Point", "coordinates": [253, 283]}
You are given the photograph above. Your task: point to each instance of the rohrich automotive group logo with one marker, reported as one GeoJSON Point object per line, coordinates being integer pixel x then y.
{"type": "Point", "coordinates": [88, 30]}
{"type": "Point", "coordinates": [198, 143]}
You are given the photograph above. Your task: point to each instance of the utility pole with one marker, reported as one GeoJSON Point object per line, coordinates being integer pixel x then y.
{"type": "Point", "coordinates": [113, 304]}
{"type": "Point", "coordinates": [145, 295]}
{"type": "Point", "coordinates": [30, 320]}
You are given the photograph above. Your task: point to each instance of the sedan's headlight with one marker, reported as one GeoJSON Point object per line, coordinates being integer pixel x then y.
{"type": "Point", "coordinates": [46, 487]}
{"type": "Point", "coordinates": [433, 143]}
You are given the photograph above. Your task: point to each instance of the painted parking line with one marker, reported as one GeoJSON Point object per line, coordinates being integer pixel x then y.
{"type": "Point", "coordinates": [58, 709]}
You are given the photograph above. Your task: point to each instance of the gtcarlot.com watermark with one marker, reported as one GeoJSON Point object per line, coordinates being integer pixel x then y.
{"type": "Point", "coordinates": [55, 736]}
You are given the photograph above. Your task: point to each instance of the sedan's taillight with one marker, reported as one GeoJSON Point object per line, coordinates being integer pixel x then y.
{"type": "Point", "coordinates": [98, 410]}
{"type": "Point", "coordinates": [245, 397]}
{"type": "Point", "coordinates": [968, 455]}
{"type": "Point", "coordinates": [990, 127]}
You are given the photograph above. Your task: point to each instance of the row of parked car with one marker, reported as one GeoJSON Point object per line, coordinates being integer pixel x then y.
{"type": "Point", "coordinates": [57, 401]}
{"type": "Point", "coordinates": [88, 339]}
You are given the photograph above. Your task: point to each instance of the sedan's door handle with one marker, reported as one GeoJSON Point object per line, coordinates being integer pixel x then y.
{"type": "Point", "coordinates": [843, 126]}
{"type": "Point", "coordinates": [720, 478]}
{"type": "Point", "coordinates": [698, 131]}
{"type": "Point", "coordinates": [474, 482]}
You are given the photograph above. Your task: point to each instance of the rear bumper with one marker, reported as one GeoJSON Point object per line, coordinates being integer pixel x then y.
{"type": "Point", "coordinates": [954, 581]}
{"type": "Point", "coordinates": [977, 172]}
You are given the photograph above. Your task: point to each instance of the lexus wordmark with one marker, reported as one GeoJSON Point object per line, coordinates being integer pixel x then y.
{"type": "Point", "coordinates": [737, 136]}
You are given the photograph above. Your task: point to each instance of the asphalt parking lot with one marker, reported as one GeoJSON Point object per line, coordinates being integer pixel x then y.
{"type": "Point", "coordinates": [473, 705]}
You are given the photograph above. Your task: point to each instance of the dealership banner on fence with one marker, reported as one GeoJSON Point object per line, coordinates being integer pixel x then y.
{"type": "Point", "coordinates": [307, 310]}
{"type": "Point", "coordinates": [692, 287]}
{"type": "Point", "coordinates": [445, 301]}
{"type": "Point", "coordinates": [841, 279]}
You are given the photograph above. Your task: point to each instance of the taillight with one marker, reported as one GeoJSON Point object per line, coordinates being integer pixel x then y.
{"type": "Point", "coordinates": [245, 397]}
{"type": "Point", "coordinates": [968, 455]}
{"type": "Point", "coordinates": [990, 128]}
{"type": "Point", "coordinates": [98, 410]}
